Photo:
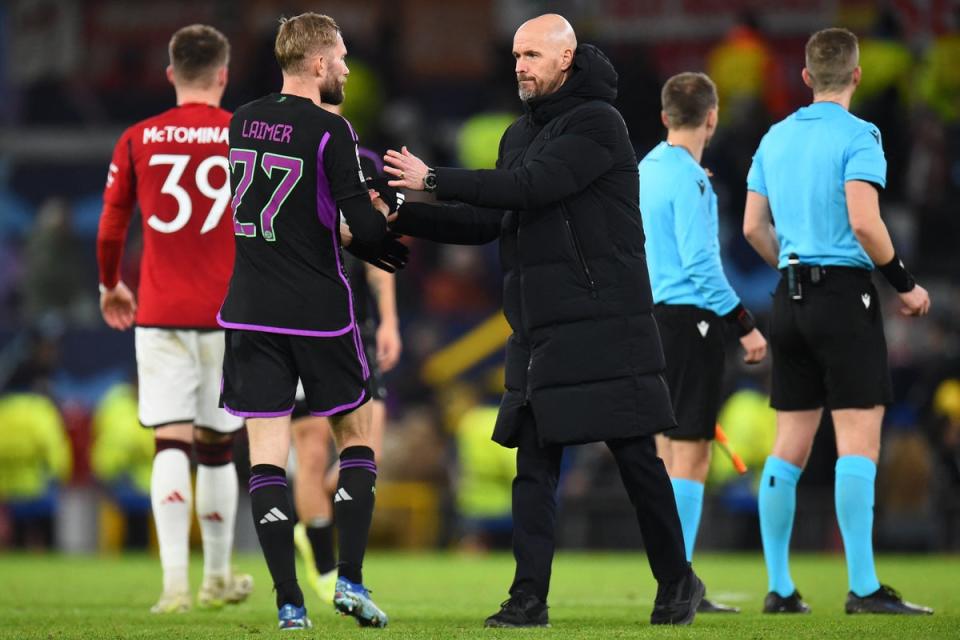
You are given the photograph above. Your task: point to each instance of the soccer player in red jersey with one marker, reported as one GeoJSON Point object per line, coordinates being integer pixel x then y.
{"type": "Point", "coordinates": [174, 166]}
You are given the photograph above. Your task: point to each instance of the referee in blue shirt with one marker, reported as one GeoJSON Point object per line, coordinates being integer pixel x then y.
{"type": "Point", "coordinates": [813, 213]}
{"type": "Point", "coordinates": [694, 301]}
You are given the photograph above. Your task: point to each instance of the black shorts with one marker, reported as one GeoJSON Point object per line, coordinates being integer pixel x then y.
{"type": "Point", "coordinates": [829, 349]}
{"type": "Point", "coordinates": [693, 345]}
{"type": "Point", "coordinates": [378, 390]}
{"type": "Point", "coordinates": [260, 372]}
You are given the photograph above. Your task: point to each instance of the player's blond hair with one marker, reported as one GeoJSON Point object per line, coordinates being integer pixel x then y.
{"type": "Point", "coordinates": [832, 55]}
{"type": "Point", "coordinates": [302, 37]}
{"type": "Point", "coordinates": [687, 98]}
{"type": "Point", "coordinates": [196, 52]}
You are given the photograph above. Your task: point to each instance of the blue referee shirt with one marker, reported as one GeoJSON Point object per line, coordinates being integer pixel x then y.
{"type": "Point", "coordinates": [679, 210]}
{"type": "Point", "coordinates": [801, 166]}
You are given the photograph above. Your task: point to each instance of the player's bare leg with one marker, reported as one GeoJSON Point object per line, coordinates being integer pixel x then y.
{"type": "Point", "coordinates": [216, 500]}
{"type": "Point", "coordinates": [858, 449]}
{"type": "Point", "coordinates": [273, 513]}
{"type": "Point", "coordinates": [171, 496]}
{"type": "Point", "coordinates": [778, 502]}
{"type": "Point", "coordinates": [353, 511]}
{"type": "Point", "coordinates": [313, 534]}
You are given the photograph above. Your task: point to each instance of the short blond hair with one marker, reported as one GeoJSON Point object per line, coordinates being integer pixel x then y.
{"type": "Point", "coordinates": [196, 51]}
{"type": "Point", "coordinates": [687, 98]}
{"type": "Point", "coordinates": [302, 37]}
{"type": "Point", "coordinates": [831, 57]}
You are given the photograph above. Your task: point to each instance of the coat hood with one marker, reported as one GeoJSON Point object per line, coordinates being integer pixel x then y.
{"type": "Point", "coordinates": [592, 78]}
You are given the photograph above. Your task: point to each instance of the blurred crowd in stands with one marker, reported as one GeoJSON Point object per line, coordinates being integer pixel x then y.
{"type": "Point", "coordinates": [438, 78]}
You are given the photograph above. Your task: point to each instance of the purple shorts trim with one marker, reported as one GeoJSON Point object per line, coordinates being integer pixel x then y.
{"type": "Point", "coordinates": [344, 407]}
{"type": "Point", "coordinates": [257, 414]}
{"type": "Point", "coordinates": [284, 331]}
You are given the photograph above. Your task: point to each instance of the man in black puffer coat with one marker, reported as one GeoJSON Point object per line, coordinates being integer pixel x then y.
{"type": "Point", "coordinates": [584, 363]}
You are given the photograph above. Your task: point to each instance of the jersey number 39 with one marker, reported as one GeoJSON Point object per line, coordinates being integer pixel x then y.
{"type": "Point", "coordinates": [172, 187]}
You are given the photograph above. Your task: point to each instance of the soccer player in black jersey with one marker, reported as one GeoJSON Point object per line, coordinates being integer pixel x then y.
{"type": "Point", "coordinates": [289, 309]}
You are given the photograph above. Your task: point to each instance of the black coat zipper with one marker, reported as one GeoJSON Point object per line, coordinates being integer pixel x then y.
{"type": "Point", "coordinates": [575, 240]}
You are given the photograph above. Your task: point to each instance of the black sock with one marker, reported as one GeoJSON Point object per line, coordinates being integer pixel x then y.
{"type": "Point", "coordinates": [321, 540]}
{"type": "Point", "coordinates": [272, 512]}
{"type": "Point", "coordinates": [353, 508]}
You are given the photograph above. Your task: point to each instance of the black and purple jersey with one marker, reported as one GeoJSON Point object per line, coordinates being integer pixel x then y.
{"type": "Point", "coordinates": [292, 164]}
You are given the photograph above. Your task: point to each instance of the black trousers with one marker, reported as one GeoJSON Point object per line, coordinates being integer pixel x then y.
{"type": "Point", "coordinates": [535, 508]}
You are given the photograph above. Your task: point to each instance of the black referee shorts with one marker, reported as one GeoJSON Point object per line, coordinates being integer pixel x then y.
{"type": "Point", "coordinates": [260, 372]}
{"type": "Point", "coordinates": [693, 344]}
{"type": "Point", "coordinates": [829, 349]}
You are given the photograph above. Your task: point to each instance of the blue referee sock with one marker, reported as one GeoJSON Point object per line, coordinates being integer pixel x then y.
{"type": "Point", "coordinates": [853, 494]}
{"type": "Point", "coordinates": [778, 503]}
{"type": "Point", "coordinates": [689, 497]}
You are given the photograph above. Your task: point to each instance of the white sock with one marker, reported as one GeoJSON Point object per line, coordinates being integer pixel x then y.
{"type": "Point", "coordinates": [217, 510]}
{"type": "Point", "coordinates": [171, 496]}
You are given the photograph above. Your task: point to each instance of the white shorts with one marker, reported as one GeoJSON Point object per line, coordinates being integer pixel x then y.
{"type": "Point", "coordinates": [180, 373]}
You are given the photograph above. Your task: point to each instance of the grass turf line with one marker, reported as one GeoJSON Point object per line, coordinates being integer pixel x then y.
{"type": "Point", "coordinates": [447, 596]}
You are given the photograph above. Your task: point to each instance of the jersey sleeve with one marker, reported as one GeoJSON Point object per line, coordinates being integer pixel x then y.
{"type": "Point", "coordinates": [755, 178]}
{"type": "Point", "coordinates": [696, 229]}
{"type": "Point", "coordinates": [865, 160]}
{"type": "Point", "coordinates": [119, 198]}
{"type": "Point", "coordinates": [120, 190]}
{"type": "Point", "coordinates": [341, 163]}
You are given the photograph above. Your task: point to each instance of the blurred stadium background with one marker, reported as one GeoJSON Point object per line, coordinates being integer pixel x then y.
{"type": "Point", "coordinates": [438, 77]}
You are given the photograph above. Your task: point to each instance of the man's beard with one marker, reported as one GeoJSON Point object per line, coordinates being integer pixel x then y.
{"type": "Point", "coordinates": [332, 94]}
{"type": "Point", "coordinates": [527, 94]}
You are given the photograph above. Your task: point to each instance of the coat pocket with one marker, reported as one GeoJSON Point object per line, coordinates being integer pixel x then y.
{"type": "Point", "coordinates": [571, 232]}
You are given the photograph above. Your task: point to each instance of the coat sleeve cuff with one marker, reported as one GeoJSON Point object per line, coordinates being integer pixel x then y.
{"type": "Point", "coordinates": [456, 184]}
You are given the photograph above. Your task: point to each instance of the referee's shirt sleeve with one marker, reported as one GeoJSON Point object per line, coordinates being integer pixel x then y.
{"type": "Point", "coordinates": [864, 159]}
{"type": "Point", "coordinates": [756, 181]}
{"type": "Point", "coordinates": [696, 229]}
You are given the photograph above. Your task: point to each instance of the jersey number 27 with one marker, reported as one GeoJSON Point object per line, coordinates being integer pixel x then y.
{"type": "Point", "coordinates": [292, 169]}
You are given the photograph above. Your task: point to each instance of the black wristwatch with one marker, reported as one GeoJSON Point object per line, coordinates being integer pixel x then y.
{"type": "Point", "coordinates": [430, 181]}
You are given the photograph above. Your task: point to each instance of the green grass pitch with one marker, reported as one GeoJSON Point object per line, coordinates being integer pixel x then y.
{"type": "Point", "coordinates": [448, 596]}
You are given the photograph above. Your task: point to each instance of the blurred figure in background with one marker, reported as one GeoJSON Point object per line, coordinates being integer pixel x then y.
{"type": "Point", "coordinates": [174, 166]}
{"type": "Point", "coordinates": [35, 458]}
{"type": "Point", "coordinates": [122, 459]}
{"type": "Point", "coordinates": [484, 479]}
{"type": "Point", "coordinates": [749, 77]}
{"type": "Point", "coordinates": [55, 272]}
{"type": "Point", "coordinates": [885, 91]}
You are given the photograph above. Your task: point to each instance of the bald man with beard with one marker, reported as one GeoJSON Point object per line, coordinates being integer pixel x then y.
{"type": "Point", "coordinates": [584, 363]}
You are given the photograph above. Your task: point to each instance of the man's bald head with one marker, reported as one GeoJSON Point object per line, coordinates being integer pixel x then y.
{"type": "Point", "coordinates": [543, 48]}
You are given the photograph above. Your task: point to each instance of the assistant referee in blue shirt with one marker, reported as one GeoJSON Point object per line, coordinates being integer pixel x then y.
{"type": "Point", "coordinates": [694, 302]}
{"type": "Point", "coordinates": [813, 213]}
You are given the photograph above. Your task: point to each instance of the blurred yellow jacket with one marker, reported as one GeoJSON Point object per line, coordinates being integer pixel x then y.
{"type": "Point", "coordinates": [486, 468]}
{"type": "Point", "coordinates": [120, 445]}
{"type": "Point", "coordinates": [940, 77]}
{"type": "Point", "coordinates": [751, 426]}
{"type": "Point", "coordinates": [34, 448]}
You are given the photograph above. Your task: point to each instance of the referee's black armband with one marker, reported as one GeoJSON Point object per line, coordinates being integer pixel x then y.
{"type": "Point", "coordinates": [897, 275]}
{"type": "Point", "coordinates": [742, 319]}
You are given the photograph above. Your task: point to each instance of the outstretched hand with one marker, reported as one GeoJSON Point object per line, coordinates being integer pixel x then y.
{"type": "Point", "coordinates": [407, 169]}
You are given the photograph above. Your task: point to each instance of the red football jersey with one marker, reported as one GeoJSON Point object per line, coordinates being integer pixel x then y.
{"type": "Point", "coordinates": [175, 167]}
